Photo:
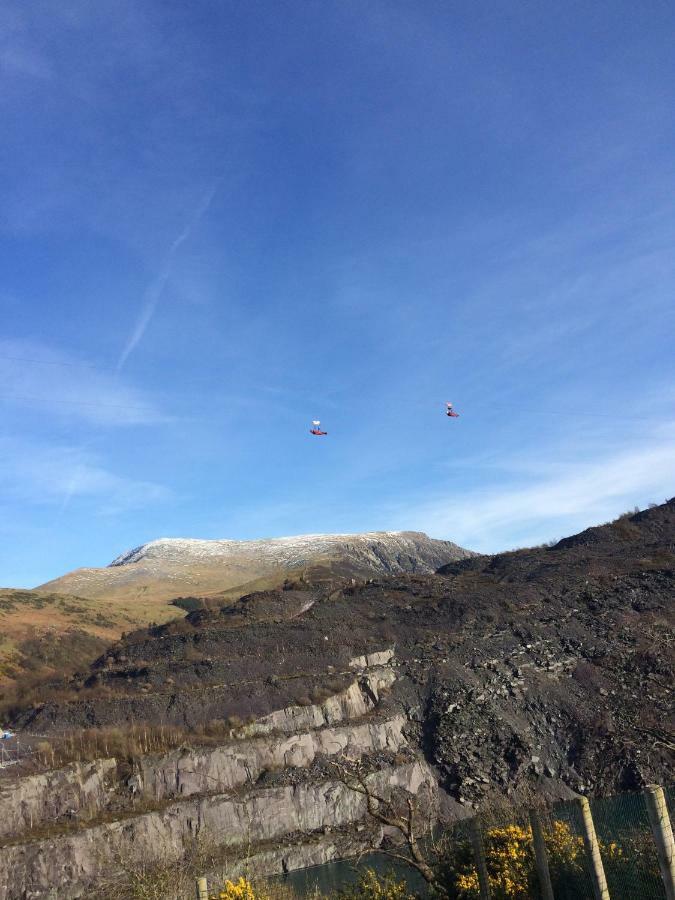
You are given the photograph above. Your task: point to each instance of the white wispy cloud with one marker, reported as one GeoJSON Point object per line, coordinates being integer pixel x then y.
{"type": "Point", "coordinates": [43, 377]}
{"type": "Point", "coordinates": [54, 475]}
{"type": "Point", "coordinates": [553, 501]}
{"type": "Point", "coordinates": [154, 292]}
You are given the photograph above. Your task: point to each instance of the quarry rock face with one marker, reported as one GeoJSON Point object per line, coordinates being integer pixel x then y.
{"type": "Point", "coordinates": [546, 671]}
{"type": "Point", "coordinates": [85, 790]}
{"type": "Point", "coordinates": [270, 784]}
{"type": "Point", "coordinates": [186, 773]}
{"type": "Point", "coordinates": [37, 800]}
{"type": "Point", "coordinates": [67, 866]}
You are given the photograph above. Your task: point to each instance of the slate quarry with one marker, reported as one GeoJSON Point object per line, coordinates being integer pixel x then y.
{"type": "Point", "coordinates": [547, 670]}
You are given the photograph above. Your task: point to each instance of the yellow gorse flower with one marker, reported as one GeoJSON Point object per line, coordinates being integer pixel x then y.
{"type": "Point", "coordinates": [239, 890]}
{"type": "Point", "coordinates": [510, 860]}
{"type": "Point", "coordinates": [372, 886]}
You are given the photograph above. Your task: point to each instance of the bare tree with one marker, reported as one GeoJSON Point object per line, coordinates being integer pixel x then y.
{"type": "Point", "coordinates": [400, 812]}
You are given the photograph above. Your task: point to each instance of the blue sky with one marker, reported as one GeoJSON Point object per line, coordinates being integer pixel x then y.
{"type": "Point", "coordinates": [219, 220]}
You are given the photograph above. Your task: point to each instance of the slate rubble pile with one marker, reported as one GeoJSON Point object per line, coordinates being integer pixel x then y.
{"type": "Point", "coordinates": [547, 669]}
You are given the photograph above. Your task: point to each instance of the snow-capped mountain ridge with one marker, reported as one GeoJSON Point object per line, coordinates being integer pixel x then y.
{"type": "Point", "coordinates": [164, 569]}
{"type": "Point", "coordinates": [283, 550]}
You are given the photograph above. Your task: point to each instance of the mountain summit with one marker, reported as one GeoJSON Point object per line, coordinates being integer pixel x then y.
{"type": "Point", "coordinates": [395, 551]}
{"type": "Point", "coordinates": [170, 567]}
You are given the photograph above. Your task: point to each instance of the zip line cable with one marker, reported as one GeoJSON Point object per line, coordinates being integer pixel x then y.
{"type": "Point", "coordinates": [54, 362]}
{"type": "Point", "coordinates": [105, 370]}
{"type": "Point", "coordinates": [146, 409]}
{"type": "Point", "coordinates": [149, 409]}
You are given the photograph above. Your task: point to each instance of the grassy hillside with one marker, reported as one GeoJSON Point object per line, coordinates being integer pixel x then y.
{"type": "Point", "coordinates": [147, 585]}
{"type": "Point", "coordinates": [45, 634]}
{"type": "Point", "coordinates": [175, 567]}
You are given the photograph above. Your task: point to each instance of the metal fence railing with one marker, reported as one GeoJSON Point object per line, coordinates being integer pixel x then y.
{"type": "Point", "coordinates": [616, 848]}
{"type": "Point", "coordinates": [9, 756]}
{"type": "Point", "coordinates": [13, 751]}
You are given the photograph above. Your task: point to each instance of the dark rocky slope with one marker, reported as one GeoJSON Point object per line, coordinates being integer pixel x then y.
{"type": "Point", "coordinates": [551, 666]}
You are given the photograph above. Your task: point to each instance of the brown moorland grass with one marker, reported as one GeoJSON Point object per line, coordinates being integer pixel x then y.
{"type": "Point", "coordinates": [126, 743]}
{"type": "Point", "coordinates": [47, 635]}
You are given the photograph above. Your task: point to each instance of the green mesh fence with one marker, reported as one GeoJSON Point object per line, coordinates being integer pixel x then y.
{"type": "Point", "coordinates": [670, 801]}
{"type": "Point", "coordinates": [505, 842]}
{"type": "Point", "coordinates": [625, 840]}
{"type": "Point", "coordinates": [568, 865]}
{"type": "Point", "coordinates": [627, 847]}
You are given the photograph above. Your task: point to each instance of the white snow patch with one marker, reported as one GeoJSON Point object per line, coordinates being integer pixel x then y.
{"type": "Point", "coordinates": [280, 551]}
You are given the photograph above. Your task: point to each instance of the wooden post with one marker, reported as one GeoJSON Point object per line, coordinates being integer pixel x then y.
{"type": "Point", "coordinates": [481, 861]}
{"type": "Point", "coordinates": [663, 836]}
{"type": "Point", "coordinates": [540, 857]}
{"type": "Point", "coordinates": [202, 889]}
{"type": "Point", "coordinates": [595, 868]}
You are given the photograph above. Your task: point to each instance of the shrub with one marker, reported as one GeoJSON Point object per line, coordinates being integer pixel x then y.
{"type": "Point", "coordinates": [239, 890]}
{"type": "Point", "coordinates": [45, 752]}
{"type": "Point", "coordinates": [372, 886]}
{"type": "Point", "coordinates": [628, 514]}
{"type": "Point", "coordinates": [127, 742]}
{"type": "Point", "coordinates": [217, 728]}
{"type": "Point", "coordinates": [320, 694]}
{"type": "Point", "coordinates": [510, 862]}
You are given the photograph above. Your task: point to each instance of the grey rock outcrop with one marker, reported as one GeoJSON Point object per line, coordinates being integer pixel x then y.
{"type": "Point", "coordinates": [269, 794]}
{"type": "Point", "coordinates": [38, 799]}
{"type": "Point", "coordinates": [66, 867]}
{"type": "Point", "coordinates": [359, 698]}
{"type": "Point", "coordinates": [190, 772]}
{"type": "Point", "coordinates": [292, 737]}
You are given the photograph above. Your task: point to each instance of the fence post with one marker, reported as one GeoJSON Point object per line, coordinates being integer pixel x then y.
{"type": "Point", "coordinates": [663, 836]}
{"type": "Point", "coordinates": [202, 889]}
{"type": "Point", "coordinates": [481, 861]}
{"type": "Point", "coordinates": [540, 857]}
{"type": "Point", "coordinates": [596, 869]}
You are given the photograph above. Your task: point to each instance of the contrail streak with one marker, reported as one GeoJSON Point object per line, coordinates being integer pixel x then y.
{"type": "Point", "coordinates": [155, 290]}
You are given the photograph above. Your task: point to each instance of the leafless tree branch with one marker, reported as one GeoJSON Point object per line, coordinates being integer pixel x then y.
{"type": "Point", "coordinates": [384, 810]}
